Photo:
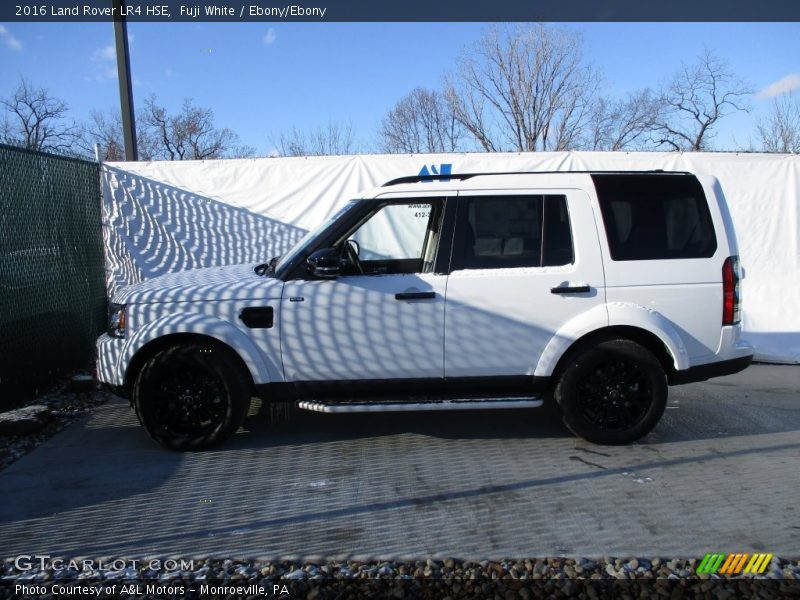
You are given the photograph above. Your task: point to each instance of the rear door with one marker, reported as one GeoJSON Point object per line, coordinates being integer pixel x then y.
{"type": "Point", "coordinates": [524, 263]}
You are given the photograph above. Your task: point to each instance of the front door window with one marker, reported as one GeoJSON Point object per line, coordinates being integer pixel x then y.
{"type": "Point", "coordinates": [397, 238]}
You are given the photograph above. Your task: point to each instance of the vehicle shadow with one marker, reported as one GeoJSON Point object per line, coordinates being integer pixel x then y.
{"type": "Point", "coordinates": [319, 484]}
{"type": "Point", "coordinates": [301, 425]}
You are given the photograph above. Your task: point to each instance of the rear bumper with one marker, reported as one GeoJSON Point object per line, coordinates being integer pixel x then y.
{"type": "Point", "coordinates": [709, 370]}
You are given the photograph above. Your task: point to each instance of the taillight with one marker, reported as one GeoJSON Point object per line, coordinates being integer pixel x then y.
{"type": "Point", "coordinates": [731, 295]}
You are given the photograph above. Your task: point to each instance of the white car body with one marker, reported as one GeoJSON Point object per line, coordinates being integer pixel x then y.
{"type": "Point", "coordinates": [476, 324]}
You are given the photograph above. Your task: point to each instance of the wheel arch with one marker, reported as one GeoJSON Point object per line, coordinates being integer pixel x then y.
{"type": "Point", "coordinates": [616, 320]}
{"type": "Point", "coordinates": [171, 328]}
{"type": "Point", "coordinates": [644, 338]}
{"type": "Point", "coordinates": [151, 348]}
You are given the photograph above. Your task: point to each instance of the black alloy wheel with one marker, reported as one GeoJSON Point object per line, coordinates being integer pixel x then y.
{"type": "Point", "coordinates": [615, 395]}
{"type": "Point", "coordinates": [191, 397]}
{"type": "Point", "coordinates": [612, 393]}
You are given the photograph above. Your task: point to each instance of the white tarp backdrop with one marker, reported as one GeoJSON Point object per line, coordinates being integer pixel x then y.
{"type": "Point", "coordinates": [161, 217]}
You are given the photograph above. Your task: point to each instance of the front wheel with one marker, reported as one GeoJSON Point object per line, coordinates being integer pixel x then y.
{"type": "Point", "coordinates": [190, 397]}
{"type": "Point", "coordinates": [613, 393]}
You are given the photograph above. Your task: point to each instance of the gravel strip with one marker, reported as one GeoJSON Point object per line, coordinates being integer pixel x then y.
{"type": "Point", "coordinates": [507, 580]}
{"type": "Point", "coordinates": [66, 407]}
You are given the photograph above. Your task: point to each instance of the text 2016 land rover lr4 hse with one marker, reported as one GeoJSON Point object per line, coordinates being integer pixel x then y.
{"type": "Point", "coordinates": [483, 291]}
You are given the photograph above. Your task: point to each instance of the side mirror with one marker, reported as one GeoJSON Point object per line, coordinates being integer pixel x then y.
{"type": "Point", "coordinates": [324, 263]}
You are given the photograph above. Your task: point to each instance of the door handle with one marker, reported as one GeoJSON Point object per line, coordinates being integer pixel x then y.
{"type": "Point", "coordinates": [567, 289]}
{"type": "Point", "coordinates": [415, 296]}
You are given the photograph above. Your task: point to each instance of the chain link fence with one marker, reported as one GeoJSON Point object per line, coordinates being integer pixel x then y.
{"type": "Point", "coordinates": [52, 281]}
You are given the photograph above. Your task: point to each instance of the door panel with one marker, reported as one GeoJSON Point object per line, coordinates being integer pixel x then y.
{"type": "Point", "coordinates": [499, 320]}
{"type": "Point", "coordinates": [354, 328]}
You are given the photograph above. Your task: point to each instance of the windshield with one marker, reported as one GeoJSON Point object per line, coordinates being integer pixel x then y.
{"type": "Point", "coordinates": [308, 239]}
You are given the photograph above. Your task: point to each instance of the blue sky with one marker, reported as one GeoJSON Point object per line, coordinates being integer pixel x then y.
{"type": "Point", "coordinates": [261, 78]}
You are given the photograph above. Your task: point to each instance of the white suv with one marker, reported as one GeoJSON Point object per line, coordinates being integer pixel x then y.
{"type": "Point", "coordinates": [476, 291]}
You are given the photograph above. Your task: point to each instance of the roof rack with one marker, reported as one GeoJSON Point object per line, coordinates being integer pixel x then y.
{"type": "Point", "coordinates": [463, 176]}
{"type": "Point", "coordinates": [418, 178]}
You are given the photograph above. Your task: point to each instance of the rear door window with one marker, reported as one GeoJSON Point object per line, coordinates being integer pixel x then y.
{"type": "Point", "coordinates": [514, 231]}
{"type": "Point", "coordinates": [655, 217]}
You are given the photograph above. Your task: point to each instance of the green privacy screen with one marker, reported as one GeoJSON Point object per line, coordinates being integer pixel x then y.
{"type": "Point", "coordinates": [52, 289]}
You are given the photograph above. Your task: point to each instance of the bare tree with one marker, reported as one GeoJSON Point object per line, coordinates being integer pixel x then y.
{"type": "Point", "coordinates": [105, 129]}
{"type": "Point", "coordinates": [36, 120]}
{"type": "Point", "coordinates": [190, 134]}
{"type": "Point", "coordinates": [524, 88]}
{"type": "Point", "coordinates": [421, 122]}
{"type": "Point", "coordinates": [330, 140]}
{"type": "Point", "coordinates": [623, 124]}
{"type": "Point", "coordinates": [780, 131]}
{"type": "Point", "coordinates": [695, 100]}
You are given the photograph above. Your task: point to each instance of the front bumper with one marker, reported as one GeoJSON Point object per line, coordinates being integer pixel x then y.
{"type": "Point", "coordinates": [109, 350]}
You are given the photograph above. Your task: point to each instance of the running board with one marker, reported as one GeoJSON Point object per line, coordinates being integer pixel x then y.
{"type": "Point", "coordinates": [339, 406]}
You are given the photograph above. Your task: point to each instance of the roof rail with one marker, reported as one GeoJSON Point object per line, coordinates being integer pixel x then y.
{"type": "Point", "coordinates": [463, 176]}
{"type": "Point", "coordinates": [418, 178]}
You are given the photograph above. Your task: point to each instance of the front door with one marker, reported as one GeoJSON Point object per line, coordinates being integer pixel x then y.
{"type": "Point", "coordinates": [383, 317]}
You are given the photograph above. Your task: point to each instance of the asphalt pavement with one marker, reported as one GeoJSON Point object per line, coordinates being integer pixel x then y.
{"type": "Point", "coordinates": [719, 473]}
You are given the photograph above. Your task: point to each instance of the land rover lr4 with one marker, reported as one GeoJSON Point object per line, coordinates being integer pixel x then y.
{"type": "Point", "coordinates": [593, 290]}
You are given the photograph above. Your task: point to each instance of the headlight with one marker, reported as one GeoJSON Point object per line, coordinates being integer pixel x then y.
{"type": "Point", "coordinates": [116, 320]}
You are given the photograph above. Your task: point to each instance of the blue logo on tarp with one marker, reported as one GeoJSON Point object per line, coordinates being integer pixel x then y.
{"type": "Point", "coordinates": [442, 169]}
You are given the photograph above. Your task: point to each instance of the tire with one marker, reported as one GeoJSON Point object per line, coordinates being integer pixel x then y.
{"type": "Point", "coordinates": [191, 396]}
{"type": "Point", "coordinates": [613, 393]}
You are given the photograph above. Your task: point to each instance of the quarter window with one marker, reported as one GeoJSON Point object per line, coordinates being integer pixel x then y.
{"type": "Point", "coordinates": [655, 217]}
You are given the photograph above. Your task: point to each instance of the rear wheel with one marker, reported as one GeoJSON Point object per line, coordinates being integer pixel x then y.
{"type": "Point", "coordinates": [613, 393]}
{"type": "Point", "coordinates": [191, 396]}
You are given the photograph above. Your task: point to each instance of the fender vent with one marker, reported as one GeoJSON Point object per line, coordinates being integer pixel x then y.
{"type": "Point", "coordinates": [257, 317]}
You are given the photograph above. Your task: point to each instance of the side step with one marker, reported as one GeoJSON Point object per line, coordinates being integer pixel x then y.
{"type": "Point", "coordinates": [344, 406]}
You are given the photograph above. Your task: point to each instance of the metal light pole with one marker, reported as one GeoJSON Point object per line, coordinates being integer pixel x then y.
{"type": "Point", "coordinates": [124, 76]}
